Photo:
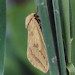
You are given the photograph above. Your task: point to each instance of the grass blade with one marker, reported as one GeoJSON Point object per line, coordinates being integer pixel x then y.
{"type": "Point", "coordinates": [65, 18]}
{"type": "Point", "coordinates": [59, 37]}
{"type": "Point", "coordinates": [2, 34]}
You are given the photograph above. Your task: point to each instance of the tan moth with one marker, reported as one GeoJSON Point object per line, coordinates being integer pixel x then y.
{"type": "Point", "coordinates": [36, 50]}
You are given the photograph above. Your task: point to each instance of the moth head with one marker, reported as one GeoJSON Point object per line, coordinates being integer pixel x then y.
{"type": "Point", "coordinates": [28, 19]}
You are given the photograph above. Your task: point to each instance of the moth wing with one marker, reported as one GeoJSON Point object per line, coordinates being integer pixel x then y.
{"type": "Point", "coordinates": [36, 51]}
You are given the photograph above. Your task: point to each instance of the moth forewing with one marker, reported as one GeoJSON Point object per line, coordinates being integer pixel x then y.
{"type": "Point", "coordinates": [36, 50]}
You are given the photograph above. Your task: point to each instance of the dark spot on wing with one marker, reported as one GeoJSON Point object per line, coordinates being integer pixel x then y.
{"type": "Point", "coordinates": [35, 45]}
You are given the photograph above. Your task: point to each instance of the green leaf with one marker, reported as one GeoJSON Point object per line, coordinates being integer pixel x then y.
{"type": "Point", "coordinates": [2, 34]}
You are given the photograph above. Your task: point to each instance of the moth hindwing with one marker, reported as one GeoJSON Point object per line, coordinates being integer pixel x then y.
{"type": "Point", "coordinates": [36, 50]}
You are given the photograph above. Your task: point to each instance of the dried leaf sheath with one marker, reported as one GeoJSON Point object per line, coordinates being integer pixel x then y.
{"type": "Point", "coordinates": [36, 50]}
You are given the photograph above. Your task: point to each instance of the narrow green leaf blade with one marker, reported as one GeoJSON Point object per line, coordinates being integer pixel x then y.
{"type": "Point", "coordinates": [2, 34]}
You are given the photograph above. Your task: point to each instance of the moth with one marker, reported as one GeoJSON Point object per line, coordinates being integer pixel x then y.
{"type": "Point", "coordinates": [36, 50]}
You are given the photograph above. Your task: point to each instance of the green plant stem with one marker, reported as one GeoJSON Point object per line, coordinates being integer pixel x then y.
{"type": "Point", "coordinates": [59, 37]}
{"type": "Point", "coordinates": [48, 38]}
{"type": "Point", "coordinates": [65, 17]}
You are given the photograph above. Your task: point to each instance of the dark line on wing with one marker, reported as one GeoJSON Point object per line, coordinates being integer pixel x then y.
{"type": "Point", "coordinates": [37, 59]}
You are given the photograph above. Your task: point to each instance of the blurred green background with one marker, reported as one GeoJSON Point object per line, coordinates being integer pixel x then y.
{"type": "Point", "coordinates": [16, 62]}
